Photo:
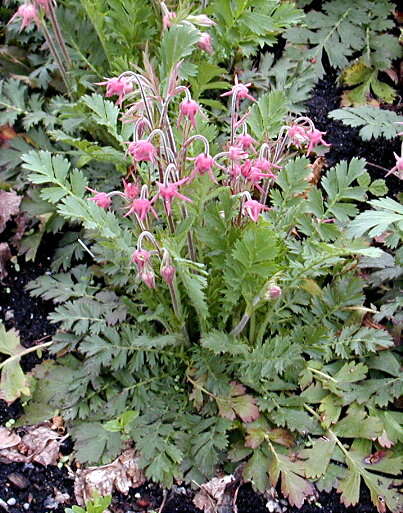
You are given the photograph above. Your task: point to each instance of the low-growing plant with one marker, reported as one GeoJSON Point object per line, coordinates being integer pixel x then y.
{"type": "Point", "coordinates": [224, 308]}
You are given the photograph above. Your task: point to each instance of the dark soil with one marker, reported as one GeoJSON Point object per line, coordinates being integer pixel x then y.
{"type": "Point", "coordinates": [43, 486]}
{"type": "Point", "coordinates": [345, 141]}
{"type": "Point", "coordinates": [24, 313]}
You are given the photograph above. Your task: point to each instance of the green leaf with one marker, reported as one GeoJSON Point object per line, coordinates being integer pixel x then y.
{"type": "Point", "coordinates": [222, 343]}
{"type": "Point", "coordinates": [177, 42]}
{"type": "Point", "coordinates": [13, 382]}
{"type": "Point", "coordinates": [374, 122]}
{"type": "Point", "coordinates": [268, 114]}
{"type": "Point", "coordinates": [95, 445]}
{"type": "Point", "coordinates": [104, 112]}
{"type": "Point", "coordinates": [318, 458]}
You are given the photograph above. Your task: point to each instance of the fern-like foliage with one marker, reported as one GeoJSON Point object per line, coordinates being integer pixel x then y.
{"type": "Point", "coordinates": [339, 30]}
{"type": "Point", "coordinates": [373, 122]}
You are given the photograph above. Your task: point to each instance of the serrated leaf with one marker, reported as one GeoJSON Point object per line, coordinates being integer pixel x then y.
{"type": "Point", "coordinates": [94, 444]}
{"type": "Point", "coordinates": [219, 343]}
{"type": "Point", "coordinates": [374, 122]}
{"type": "Point", "coordinates": [267, 115]}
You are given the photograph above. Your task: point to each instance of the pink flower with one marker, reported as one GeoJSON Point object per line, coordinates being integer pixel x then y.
{"type": "Point", "coordinates": [315, 137]}
{"type": "Point", "coordinates": [168, 274]}
{"type": "Point", "coordinates": [297, 134]}
{"type": "Point", "coordinates": [148, 278]}
{"type": "Point", "coordinates": [188, 109]}
{"type": "Point", "coordinates": [203, 164]}
{"type": "Point", "coordinates": [141, 207]}
{"type": "Point", "coordinates": [398, 167]}
{"type": "Point", "coordinates": [240, 91]}
{"type": "Point", "coordinates": [274, 292]}
{"type": "Point", "coordinates": [142, 150]}
{"type": "Point", "coordinates": [266, 166]}
{"type": "Point", "coordinates": [117, 87]}
{"type": "Point", "coordinates": [169, 191]}
{"type": "Point", "coordinates": [205, 43]}
{"type": "Point", "coordinates": [28, 14]}
{"type": "Point", "coordinates": [253, 209]}
{"type": "Point", "coordinates": [131, 190]}
{"type": "Point", "coordinates": [166, 19]}
{"type": "Point", "coordinates": [236, 154]}
{"type": "Point", "coordinates": [101, 199]}
{"type": "Point", "coordinates": [246, 142]}
{"type": "Point", "coordinates": [141, 258]}
{"type": "Point", "coordinates": [253, 174]}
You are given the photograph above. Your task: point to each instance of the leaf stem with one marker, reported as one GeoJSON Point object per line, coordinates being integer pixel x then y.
{"type": "Point", "coordinates": [23, 353]}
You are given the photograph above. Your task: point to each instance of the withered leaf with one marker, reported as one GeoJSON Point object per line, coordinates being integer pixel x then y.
{"type": "Point", "coordinates": [9, 206]}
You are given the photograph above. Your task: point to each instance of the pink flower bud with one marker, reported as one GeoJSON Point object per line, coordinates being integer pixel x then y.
{"type": "Point", "coordinates": [166, 19]}
{"type": "Point", "coordinates": [203, 163]}
{"type": "Point", "coordinates": [274, 292]}
{"type": "Point", "coordinates": [119, 87]}
{"type": "Point", "coordinates": [28, 14]}
{"type": "Point", "coordinates": [45, 4]}
{"type": "Point", "coordinates": [246, 141]}
{"type": "Point", "coordinates": [168, 274]}
{"type": "Point", "coordinates": [141, 258]}
{"type": "Point", "coordinates": [253, 209]}
{"type": "Point", "coordinates": [236, 154]}
{"type": "Point", "coordinates": [315, 138]}
{"type": "Point", "coordinates": [189, 109]}
{"type": "Point", "coordinates": [205, 43]}
{"type": "Point", "coordinates": [101, 199]}
{"type": "Point", "coordinates": [142, 150]}
{"type": "Point", "coordinates": [148, 277]}
{"type": "Point", "coordinates": [131, 190]}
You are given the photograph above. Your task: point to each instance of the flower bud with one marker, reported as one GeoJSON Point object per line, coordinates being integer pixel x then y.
{"type": "Point", "coordinates": [148, 278]}
{"type": "Point", "coordinates": [168, 274]}
{"type": "Point", "coordinates": [189, 109]}
{"type": "Point", "coordinates": [205, 43]}
{"type": "Point", "coordinates": [142, 150]}
{"type": "Point", "coordinates": [273, 292]}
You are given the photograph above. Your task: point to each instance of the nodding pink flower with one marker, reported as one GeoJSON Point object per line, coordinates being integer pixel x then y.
{"type": "Point", "coordinates": [235, 153]}
{"type": "Point", "coordinates": [203, 164]}
{"type": "Point", "coordinates": [148, 278]}
{"type": "Point", "coordinates": [142, 151]}
{"type": "Point", "coordinates": [169, 191]}
{"type": "Point", "coordinates": [28, 14]}
{"type": "Point", "coordinates": [205, 43]}
{"type": "Point", "coordinates": [101, 199]}
{"type": "Point", "coordinates": [253, 209]}
{"type": "Point", "coordinates": [253, 174]}
{"type": "Point", "coordinates": [240, 91]}
{"type": "Point", "coordinates": [141, 258]}
{"type": "Point", "coordinates": [398, 167]}
{"type": "Point", "coordinates": [188, 109]}
{"type": "Point", "coordinates": [131, 190]}
{"type": "Point", "coordinates": [246, 141]}
{"type": "Point", "coordinates": [274, 292]}
{"type": "Point", "coordinates": [315, 137]}
{"type": "Point", "coordinates": [297, 134]}
{"type": "Point", "coordinates": [141, 207]}
{"type": "Point", "coordinates": [166, 19]}
{"type": "Point", "coordinates": [168, 274]}
{"type": "Point", "coordinates": [266, 166]}
{"type": "Point", "coordinates": [119, 87]}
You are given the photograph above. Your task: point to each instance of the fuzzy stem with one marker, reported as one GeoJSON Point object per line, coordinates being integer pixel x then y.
{"type": "Point", "coordinates": [58, 33]}
{"type": "Point", "coordinates": [23, 353]}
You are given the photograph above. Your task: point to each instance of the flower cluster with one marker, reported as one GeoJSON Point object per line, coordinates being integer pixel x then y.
{"type": "Point", "coordinates": [246, 169]}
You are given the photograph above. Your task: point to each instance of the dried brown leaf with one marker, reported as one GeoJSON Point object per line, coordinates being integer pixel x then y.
{"type": "Point", "coordinates": [121, 474]}
{"type": "Point", "coordinates": [9, 206]}
{"type": "Point", "coordinates": [39, 444]}
{"type": "Point", "coordinates": [5, 255]}
{"type": "Point", "coordinates": [8, 438]}
{"type": "Point", "coordinates": [212, 494]}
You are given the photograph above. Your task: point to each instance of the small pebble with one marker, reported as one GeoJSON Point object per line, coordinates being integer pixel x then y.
{"type": "Point", "coordinates": [137, 495]}
{"type": "Point", "coordinates": [11, 501]}
{"type": "Point", "coordinates": [26, 505]}
{"type": "Point", "coordinates": [18, 480]}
